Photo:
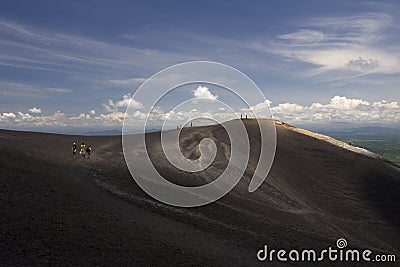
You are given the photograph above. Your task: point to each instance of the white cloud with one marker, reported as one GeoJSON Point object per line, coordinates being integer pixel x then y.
{"type": "Point", "coordinates": [204, 92]}
{"type": "Point", "coordinates": [113, 116]}
{"type": "Point", "coordinates": [358, 59]}
{"type": "Point", "coordinates": [363, 64]}
{"type": "Point", "coordinates": [385, 104]}
{"type": "Point", "coordinates": [352, 45]}
{"type": "Point", "coordinates": [290, 107]}
{"type": "Point", "coordinates": [128, 82]}
{"type": "Point", "coordinates": [306, 36]}
{"type": "Point", "coordinates": [354, 26]}
{"type": "Point", "coordinates": [92, 112]}
{"type": "Point", "coordinates": [35, 110]}
{"type": "Point", "coordinates": [342, 102]}
{"type": "Point", "coordinates": [8, 115]}
{"type": "Point", "coordinates": [23, 116]}
{"type": "Point", "coordinates": [126, 101]}
{"type": "Point", "coordinates": [262, 105]}
{"type": "Point", "coordinates": [339, 109]}
{"type": "Point", "coordinates": [59, 90]}
{"type": "Point", "coordinates": [81, 116]}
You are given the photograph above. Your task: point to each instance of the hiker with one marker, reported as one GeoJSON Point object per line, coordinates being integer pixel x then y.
{"type": "Point", "coordinates": [74, 148]}
{"type": "Point", "coordinates": [83, 150]}
{"type": "Point", "coordinates": [88, 151]}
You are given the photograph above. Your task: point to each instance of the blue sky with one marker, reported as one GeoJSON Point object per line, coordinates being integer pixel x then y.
{"type": "Point", "coordinates": [63, 63]}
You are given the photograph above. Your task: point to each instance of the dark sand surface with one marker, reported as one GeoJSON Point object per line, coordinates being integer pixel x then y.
{"type": "Point", "coordinates": [60, 210]}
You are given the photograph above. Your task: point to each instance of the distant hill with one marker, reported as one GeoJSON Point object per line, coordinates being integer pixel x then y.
{"type": "Point", "coordinates": [104, 133]}
{"type": "Point", "coordinates": [365, 131]}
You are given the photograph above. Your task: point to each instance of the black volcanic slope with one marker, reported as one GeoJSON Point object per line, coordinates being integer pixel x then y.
{"type": "Point", "coordinates": [60, 210]}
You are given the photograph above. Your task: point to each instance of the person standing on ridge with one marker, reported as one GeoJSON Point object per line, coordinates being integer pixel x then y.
{"type": "Point", "coordinates": [83, 150]}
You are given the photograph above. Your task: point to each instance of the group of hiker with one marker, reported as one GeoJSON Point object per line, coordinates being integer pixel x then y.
{"type": "Point", "coordinates": [83, 150]}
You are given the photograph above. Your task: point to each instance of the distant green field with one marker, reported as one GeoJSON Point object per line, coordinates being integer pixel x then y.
{"type": "Point", "coordinates": [386, 147]}
{"type": "Point", "coordinates": [389, 149]}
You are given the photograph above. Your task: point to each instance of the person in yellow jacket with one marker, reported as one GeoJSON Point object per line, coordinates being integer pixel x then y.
{"type": "Point", "coordinates": [83, 150]}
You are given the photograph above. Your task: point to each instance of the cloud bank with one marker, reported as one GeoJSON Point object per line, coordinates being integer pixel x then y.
{"type": "Point", "coordinates": [338, 109]}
